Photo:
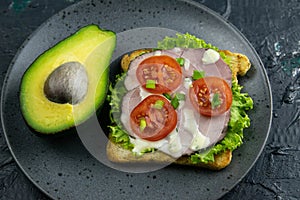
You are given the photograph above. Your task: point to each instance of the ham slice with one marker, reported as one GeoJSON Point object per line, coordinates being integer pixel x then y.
{"type": "Point", "coordinates": [129, 102]}
{"type": "Point", "coordinates": [218, 68]}
{"type": "Point", "coordinates": [194, 132]}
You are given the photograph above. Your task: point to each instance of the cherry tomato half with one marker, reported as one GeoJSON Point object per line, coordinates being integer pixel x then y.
{"type": "Point", "coordinates": [211, 96]}
{"type": "Point", "coordinates": [163, 71]}
{"type": "Point", "coordinates": [154, 118]}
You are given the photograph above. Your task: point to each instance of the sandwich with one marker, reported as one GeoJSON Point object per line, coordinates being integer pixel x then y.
{"type": "Point", "coordinates": [179, 103]}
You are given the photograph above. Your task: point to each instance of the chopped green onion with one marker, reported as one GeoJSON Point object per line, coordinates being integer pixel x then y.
{"type": "Point", "coordinates": [168, 96]}
{"type": "Point", "coordinates": [175, 102]}
{"type": "Point", "coordinates": [180, 61]}
{"type": "Point", "coordinates": [215, 101]}
{"type": "Point", "coordinates": [180, 96]}
{"type": "Point", "coordinates": [143, 124]}
{"type": "Point", "coordinates": [198, 74]}
{"type": "Point", "coordinates": [150, 84]}
{"type": "Point", "coordinates": [159, 104]}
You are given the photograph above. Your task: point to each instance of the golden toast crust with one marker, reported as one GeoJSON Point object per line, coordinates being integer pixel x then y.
{"type": "Point", "coordinates": [239, 63]}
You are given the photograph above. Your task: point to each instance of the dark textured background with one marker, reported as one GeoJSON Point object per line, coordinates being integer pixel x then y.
{"type": "Point", "coordinates": [273, 28]}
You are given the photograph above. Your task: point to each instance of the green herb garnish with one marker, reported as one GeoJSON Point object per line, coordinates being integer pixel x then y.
{"type": "Point", "coordinates": [168, 96]}
{"type": "Point", "coordinates": [143, 124]}
{"type": "Point", "coordinates": [175, 100]}
{"type": "Point", "coordinates": [216, 101]}
{"type": "Point", "coordinates": [180, 96]}
{"type": "Point", "coordinates": [175, 103]}
{"type": "Point", "coordinates": [159, 104]}
{"type": "Point", "coordinates": [198, 74]}
{"type": "Point", "coordinates": [181, 61]}
{"type": "Point", "coordinates": [150, 84]}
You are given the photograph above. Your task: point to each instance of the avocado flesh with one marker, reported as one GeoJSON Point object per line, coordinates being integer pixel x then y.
{"type": "Point", "coordinates": [90, 46]}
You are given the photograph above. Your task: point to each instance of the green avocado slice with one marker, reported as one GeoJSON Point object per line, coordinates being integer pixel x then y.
{"type": "Point", "coordinates": [66, 84]}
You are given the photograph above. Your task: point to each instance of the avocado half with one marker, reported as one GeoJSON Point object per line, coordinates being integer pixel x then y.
{"type": "Point", "coordinates": [66, 84]}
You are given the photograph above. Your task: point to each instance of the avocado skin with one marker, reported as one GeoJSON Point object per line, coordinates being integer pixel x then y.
{"type": "Point", "coordinates": [90, 46]}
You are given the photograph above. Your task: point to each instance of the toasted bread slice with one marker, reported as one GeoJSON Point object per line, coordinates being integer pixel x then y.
{"type": "Point", "coordinates": [126, 60]}
{"type": "Point", "coordinates": [239, 64]}
{"type": "Point", "coordinates": [116, 153]}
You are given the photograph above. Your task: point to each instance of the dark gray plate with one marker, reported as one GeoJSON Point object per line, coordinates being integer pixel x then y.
{"type": "Point", "coordinates": [64, 169]}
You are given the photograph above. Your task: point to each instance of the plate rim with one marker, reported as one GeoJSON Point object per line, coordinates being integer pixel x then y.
{"type": "Point", "coordinates": [191, 2]}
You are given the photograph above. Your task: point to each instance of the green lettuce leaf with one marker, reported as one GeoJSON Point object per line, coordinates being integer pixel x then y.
{"type": "Point", "coordinates": [187, 41]}
{"type": "Point", "coordinates": [184, 41]}
{"type": "Point", "coordinates": [118, 133]}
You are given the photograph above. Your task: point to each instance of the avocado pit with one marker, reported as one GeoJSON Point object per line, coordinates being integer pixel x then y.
{"type": "Point", "coordinates": [67, 84]}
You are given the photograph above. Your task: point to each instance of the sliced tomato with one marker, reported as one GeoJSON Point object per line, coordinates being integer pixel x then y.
{"type": "Point", "coordinates": [211, 96]}
{"type": "Point", "coordinates": [154, 118]}
{"type": "Point", "coordinates": [163, 70]}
